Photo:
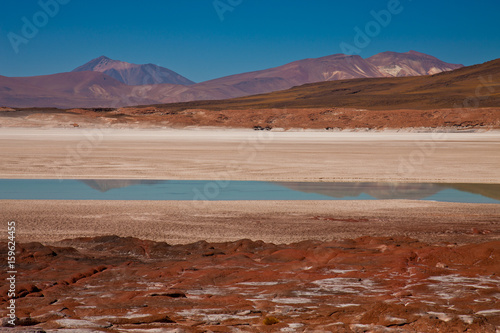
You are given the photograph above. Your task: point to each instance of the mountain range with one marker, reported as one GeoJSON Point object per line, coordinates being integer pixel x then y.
{"type": "Point", "coordinates": [104, 82]}
{"type": "Point", "coordinates": [465, 87]}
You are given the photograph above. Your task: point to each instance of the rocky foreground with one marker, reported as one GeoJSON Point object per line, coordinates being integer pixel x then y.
{"type": "Point", "coordinates": [323, 119]}
{"type": "Point", "coordinates": [113, 284]}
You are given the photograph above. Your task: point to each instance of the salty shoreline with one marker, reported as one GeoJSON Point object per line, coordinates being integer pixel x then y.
{"type": "Point", "coordinates": [182, 222]}
{"type": "Point", "coordinates": [201, 154]}
{"type": "Point", "coordinates": [204, 154]}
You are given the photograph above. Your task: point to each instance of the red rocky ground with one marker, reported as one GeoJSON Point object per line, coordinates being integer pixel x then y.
{"type": "Point", "coordinates": [112, 284]}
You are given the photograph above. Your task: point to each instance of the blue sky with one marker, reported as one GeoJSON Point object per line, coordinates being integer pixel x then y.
{"type": "Point", "coordinates": [190, 38]}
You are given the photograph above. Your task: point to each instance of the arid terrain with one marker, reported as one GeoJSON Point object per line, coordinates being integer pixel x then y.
{"type": "Point", "coordinates": [249, 167]}
{"type": "Point", "coordinates": [253, 266]}
{"type": "Point", "coordinates": [369, 284]}
{"type": "Point", "coordinates": [325, 119]}
{"type": "Point", "coordinates": [182, 222]}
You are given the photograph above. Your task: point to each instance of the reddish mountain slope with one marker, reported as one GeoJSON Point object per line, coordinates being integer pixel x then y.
{"type": "Point", "coordinates": [133, 74]}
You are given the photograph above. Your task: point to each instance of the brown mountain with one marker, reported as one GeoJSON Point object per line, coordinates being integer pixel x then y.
{"type": "Point", "coordinates": [133, 74]}
{"type": "Point", "coordinates": [100, 82]}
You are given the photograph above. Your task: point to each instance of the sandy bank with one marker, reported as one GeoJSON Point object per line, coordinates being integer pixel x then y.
{"type": "Point", "coordinates": [250, 155]}
{"type": "Point", "coordinates": [270, 221]}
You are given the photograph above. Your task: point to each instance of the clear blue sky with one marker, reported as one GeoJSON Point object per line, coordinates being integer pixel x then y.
{"type": "Point", "coordinates": [189, 37]}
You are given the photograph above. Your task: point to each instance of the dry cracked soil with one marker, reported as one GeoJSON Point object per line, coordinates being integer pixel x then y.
{"type": "Point", "coordinates": [369, 284]}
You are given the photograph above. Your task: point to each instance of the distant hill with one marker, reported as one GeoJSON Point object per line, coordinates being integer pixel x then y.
{"type": "Point", "coordinates": [464, 87]}
{"type": "Point", "coordinates": [133, 74]}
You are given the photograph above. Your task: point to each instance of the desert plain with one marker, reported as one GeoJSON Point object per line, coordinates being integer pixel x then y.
{"type": "Point", "coordinates": [243, 154]}
{"type": "Point", "coordinates": [254, 266]}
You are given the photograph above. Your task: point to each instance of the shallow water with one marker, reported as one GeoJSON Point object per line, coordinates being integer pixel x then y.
{"type": "Point", "coordinates": [116, 189]}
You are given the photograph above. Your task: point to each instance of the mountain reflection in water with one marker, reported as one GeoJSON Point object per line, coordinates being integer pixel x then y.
{"type": "Point", "coordinates": [377, 190]}
{"type": "Point", "coordinates": [104, 185]}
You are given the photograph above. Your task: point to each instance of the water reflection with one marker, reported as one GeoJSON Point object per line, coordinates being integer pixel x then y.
{"type": "Point", "coordinates": [411, 191]}
{"type": "Point", "coordinates": [104, 185]}
{"type": "Point", "coordinates": [376, 190]}
{"type": "Point", "coordinates": [486, 190]}
{"type": "Point", "coordinates": [193, 190]}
